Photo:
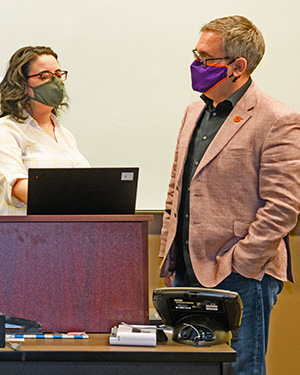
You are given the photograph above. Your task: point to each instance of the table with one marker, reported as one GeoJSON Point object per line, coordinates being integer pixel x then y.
{"type": "Point", "coordinates": [95, 356]}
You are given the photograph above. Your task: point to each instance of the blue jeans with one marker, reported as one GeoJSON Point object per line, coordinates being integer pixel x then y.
{"type": "Point", "coordinates": [251, 339]}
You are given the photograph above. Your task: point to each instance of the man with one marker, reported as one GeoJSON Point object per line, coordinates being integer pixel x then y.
{"type": "Point", "coordinates": [234, 193]}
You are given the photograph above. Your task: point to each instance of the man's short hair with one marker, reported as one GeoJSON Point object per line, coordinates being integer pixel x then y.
{"type": "Point", "coordinates": [241, 38]}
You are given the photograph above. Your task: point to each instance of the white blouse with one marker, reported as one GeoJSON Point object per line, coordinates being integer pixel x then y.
{"type": "Point", "coordinates": [26, 145]}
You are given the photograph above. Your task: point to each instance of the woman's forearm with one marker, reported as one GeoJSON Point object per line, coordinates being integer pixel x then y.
{"type": "Point", "coordinates": [20, 189]}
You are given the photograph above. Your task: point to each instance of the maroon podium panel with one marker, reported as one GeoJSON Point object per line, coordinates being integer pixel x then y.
{"type": "Point", "coordinates": [75, 273]}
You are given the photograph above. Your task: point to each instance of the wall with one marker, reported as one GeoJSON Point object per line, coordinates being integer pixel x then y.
{"type": "Point", "coordinates": [128, 64]}
{"type": "Point", "coordinates": [283, 352]}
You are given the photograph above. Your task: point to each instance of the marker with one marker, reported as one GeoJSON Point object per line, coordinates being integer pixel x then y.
{"type": "Point", "coordinates": [47, 336]}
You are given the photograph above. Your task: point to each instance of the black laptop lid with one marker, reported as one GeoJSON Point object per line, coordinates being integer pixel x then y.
{"type": "Point", "coordinates": [82, 191]}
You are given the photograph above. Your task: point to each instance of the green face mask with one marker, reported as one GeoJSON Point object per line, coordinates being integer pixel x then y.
{"type": "Point", "coordinates": [49, 93]}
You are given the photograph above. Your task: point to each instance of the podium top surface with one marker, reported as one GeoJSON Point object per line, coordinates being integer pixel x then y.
{"type": "Point", "coordinates": [77, 218]}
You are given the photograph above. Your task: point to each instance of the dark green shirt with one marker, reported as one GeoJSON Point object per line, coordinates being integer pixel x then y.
{"type": "Point", "coordinates": [208, 124]}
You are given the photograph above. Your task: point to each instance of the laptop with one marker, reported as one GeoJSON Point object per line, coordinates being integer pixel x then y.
{"type": "Point", "coordinates": [82, 191]}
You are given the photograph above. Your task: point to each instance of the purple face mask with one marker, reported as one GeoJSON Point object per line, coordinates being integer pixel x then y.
{"type": "Point", "coordinates": [205, 79]}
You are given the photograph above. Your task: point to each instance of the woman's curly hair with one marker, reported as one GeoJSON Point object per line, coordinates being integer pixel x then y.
{"type": "Point", "coordinates": [14, 97]}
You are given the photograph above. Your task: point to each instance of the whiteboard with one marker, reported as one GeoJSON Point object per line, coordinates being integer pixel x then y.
{"type": "Point", "coordinates": [128, 63]}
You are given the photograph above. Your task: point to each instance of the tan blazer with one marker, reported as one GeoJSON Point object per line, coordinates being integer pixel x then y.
{"type": "Point", "coordinates": [244, 196]}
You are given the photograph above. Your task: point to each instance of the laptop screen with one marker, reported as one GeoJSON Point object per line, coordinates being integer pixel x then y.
{"type": "Point", "coordinates": [82, 191]}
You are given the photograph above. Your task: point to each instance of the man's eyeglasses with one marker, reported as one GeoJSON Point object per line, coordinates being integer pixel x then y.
{"type": "Point", "coordinates": [47, 76]}
{"type": "Point", "coordinates": [203, 60]}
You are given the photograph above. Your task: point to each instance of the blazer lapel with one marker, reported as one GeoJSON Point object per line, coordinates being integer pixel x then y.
{"type": "Point", "coordinates": [236, 119]}
{"type": "Point", "coordinates": [193, 114]}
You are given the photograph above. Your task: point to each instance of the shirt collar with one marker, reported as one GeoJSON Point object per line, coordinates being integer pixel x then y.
{"type": "Point", "coordinates": [232, 99]}
{"type": "Point", "coordinates": [31, 120]}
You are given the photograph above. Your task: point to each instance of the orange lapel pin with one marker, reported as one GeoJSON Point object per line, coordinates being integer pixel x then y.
{"type": "Point", "coordinates": [237, 119]}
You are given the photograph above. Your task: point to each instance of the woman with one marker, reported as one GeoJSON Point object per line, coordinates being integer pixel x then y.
{"type": "Point", "coordinates": [32, 93]}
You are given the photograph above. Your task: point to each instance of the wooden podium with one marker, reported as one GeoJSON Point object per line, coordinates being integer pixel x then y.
{"type": "Point", "coordinates": [75, 273]}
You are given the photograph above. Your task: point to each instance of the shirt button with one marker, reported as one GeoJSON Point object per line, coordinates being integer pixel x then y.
{"type": "Point", "coordinates": [186, 242]}
{"type": "Point", "coordinates": [204, 137]}
{"type": "Point", "coordinates": [186, 215]}
{"type": "Point", "coordinates": [196, 162]}
{"type": "Point", "coordinates": [214, 114]}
